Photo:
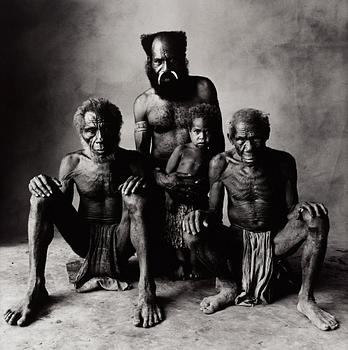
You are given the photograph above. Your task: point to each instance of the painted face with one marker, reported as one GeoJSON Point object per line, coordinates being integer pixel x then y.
{"type": "Point", "coordinates": [200, 133]}
{"type": "Point", "coordinates": [166, 62]}
{"type": "Point", "coordinates": [249, 141]}
{"type": "Point", "coordinates": [100, 135]}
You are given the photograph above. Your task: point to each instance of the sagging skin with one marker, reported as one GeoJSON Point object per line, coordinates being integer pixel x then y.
{"type": "Point", "coordinates": [261, 185]}
{"type": "Point", "coordinates": [112, 185]}
{"type": "Point", "coordinates": [161, 112]}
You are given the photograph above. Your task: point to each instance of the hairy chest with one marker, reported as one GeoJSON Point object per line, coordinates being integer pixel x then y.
{"type": "Point", "coordinates": [164, 116]}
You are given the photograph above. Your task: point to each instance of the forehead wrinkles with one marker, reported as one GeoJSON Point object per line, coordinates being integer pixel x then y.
{"type": "Point", "coordinates": [92, 118]}
{"type": "Point", "coordinates": [162, 47]}
{"type": "Point", "coordinates": [250, 129]}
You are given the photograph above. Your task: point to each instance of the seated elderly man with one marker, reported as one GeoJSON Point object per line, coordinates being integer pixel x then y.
{"type": "Point", "coordinates": [267, 222]}
{"type": "Point", "coordinates": [110, 224]}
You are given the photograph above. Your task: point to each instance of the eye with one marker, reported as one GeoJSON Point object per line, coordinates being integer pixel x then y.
{"type": "Point", "coordinates": [157, 60]}
{"type": "Point", "coordinates": [90, 130]}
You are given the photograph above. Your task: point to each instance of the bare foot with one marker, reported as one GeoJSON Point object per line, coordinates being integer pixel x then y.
{"type": "Point", "coordinates": [179, 273]}
{"type": "Point", "coordinates": [217, 302]}
{"type": "Point", "coordinates": [21, 314]}
{"type": "Point", "coordinates": [320, 318]}
{"type": "Point", "coordinates": [147, 313]}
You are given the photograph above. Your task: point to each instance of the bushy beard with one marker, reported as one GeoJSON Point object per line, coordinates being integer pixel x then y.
{"type": "Point", "coordinates": [171, 90]}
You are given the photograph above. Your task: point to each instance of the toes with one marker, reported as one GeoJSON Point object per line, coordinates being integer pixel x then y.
{"type": "Point", "coordinates": [137, 318]}
{"type": "Point", "coordinates": [13, 319]}
{"type": "Point", "coordinates": [8, 315]}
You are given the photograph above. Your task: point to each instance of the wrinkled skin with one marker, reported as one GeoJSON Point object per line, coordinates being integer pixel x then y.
{"type": "Point", "coordinates": [262, 195]}
{"type": "Point", "coordinates": [109, 194]}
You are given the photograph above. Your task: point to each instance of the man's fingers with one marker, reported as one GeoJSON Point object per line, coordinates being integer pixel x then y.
{"type": "Point", "coordinates": [34, 187]}
{"type": "Point", "coordinates": [192, 226]}
{"type": "Point", "coordinates": [129, 188]}
{"type": "Point", "coordinates": [57, 182]}
{"type": "Point", "coordinates": [124, 185]}
{"type": "Point", "coordinates": [45, 183]}
{"type": "Point", "coordinates": [197, 220]}
{"type": "Point", "coordinates": [323, 208]}
{"type": "Point", "coordinates": [307, 207]}
{"type": "Point", "coordinates": [138, 185]}
{"type": "Point", "coordinates": [316, 209]}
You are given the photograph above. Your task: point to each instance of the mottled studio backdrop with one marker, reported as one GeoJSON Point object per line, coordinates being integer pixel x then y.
{"type": "Point", "coordinates": [287, 57]}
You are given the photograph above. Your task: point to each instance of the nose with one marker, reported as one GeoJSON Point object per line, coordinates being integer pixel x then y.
{"type": "Point", "coordinates": [248, 146]}
{"type": "Point", "coordinates": [99, 136]}
{"type": "Point", "coordinates": [165, 66]}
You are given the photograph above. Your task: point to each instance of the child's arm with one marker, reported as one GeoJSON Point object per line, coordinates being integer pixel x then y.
{"type": "Point", "coordinates": [174, 160]}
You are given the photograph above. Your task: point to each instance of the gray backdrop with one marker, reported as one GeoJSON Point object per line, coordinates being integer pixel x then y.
{"type": "Point", "coordinates": [286, 57]}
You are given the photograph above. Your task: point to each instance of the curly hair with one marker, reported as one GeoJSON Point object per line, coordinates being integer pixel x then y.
{"type": "Point", "coordinates": [250, 115]}
{"type": "Point", "coordinates": [100, 106]}
{"type": "Point", "coordinates": [209, 113]}
{"type": "Point", "coordinates": [178, 38]}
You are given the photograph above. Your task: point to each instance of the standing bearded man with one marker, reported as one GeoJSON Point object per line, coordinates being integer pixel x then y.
{"type": "Point", "coordinates": [110, 224]}
{"type": "Point", "coordinates": [161, 112]}
{"type": "Point", "coordinates": [267, 222]}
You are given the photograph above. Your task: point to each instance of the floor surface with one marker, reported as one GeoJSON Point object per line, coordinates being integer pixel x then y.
{"type": "Point", "coordinates": [102, 320]}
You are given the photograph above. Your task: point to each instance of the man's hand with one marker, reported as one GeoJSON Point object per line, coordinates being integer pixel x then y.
{"type": "Point", "coordinates": [43, 185]}
{"type": "Point", "coordinates": [313, 209]}
{"type": "Point", "coordinates": [133, 185]}
{"type": "Point", "coordinates": [195, 221]}
{"type": "Point", "coordinates": [309, 212]}
{"type": "Point", "coordinates": [183, 183]}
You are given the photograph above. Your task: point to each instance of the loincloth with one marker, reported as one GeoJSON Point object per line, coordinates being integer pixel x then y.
{"type": "Point", "coordinates": [100, 268]}
{"type": "Point", "coordinates": [265, 277]}
{"type": "Point", "coordinates": [174, 216]}
{"type": "Point", "coordinates": [257, 268]}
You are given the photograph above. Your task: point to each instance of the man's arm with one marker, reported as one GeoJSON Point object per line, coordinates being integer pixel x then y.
{"type": "Point", "coordinates": [290, 174]}
{"type": "Point", "coordinates": [67, 166]}
{"type": "Point", "coordinates": [44, 185]}
{"type": "Point", "coordinates": [195, 220]}
{"type": "Point", "coordinates": [208, 94]}
{"type": "Point", "coordinates": [217, 190]}
{"type": "Point", "coordinates": [142, 132]}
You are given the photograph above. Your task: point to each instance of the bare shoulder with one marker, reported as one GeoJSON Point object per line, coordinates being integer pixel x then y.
{"type": "Point", "coordinates": [205, 89]}
{"type": "Point", "coordinates": [141, 104]}
{"type": "Point", "coordinates": [218, 165]}
{"type": "Point", "coordinates": [69, 163]}
{"type": "Point", "coordinates": [71, 160]}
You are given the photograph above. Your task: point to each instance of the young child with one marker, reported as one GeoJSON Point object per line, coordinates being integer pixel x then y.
{"type": "Point", "coordinates": [190, 160]}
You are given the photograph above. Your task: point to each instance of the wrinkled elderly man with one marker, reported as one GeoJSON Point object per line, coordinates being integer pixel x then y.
{"type": "Point", "coordinates": [110, 224]}
{"type": "Point", "coordinates": [267, 222]}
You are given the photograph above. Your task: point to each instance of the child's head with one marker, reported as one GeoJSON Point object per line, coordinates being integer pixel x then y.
{"type": "Point", "coordinates": [203, 118]}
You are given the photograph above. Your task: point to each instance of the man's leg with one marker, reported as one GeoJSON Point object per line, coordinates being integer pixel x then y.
{"type": "Point", "coordinates": [212, 250]}
{"type": "Point", "coordinates": [43, 213]}
{"type": "Point", "coordinates": [147, 312]}
{"type": "Point", "coordinates": [302, 227]}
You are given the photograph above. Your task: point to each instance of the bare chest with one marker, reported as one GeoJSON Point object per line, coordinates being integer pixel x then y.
{"type": "Point", "coordinates": [99, 182]}
{"type": "Point", "coordinates": [249, 184]}
{"type": "Point", "coordinates": [165, 116]}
